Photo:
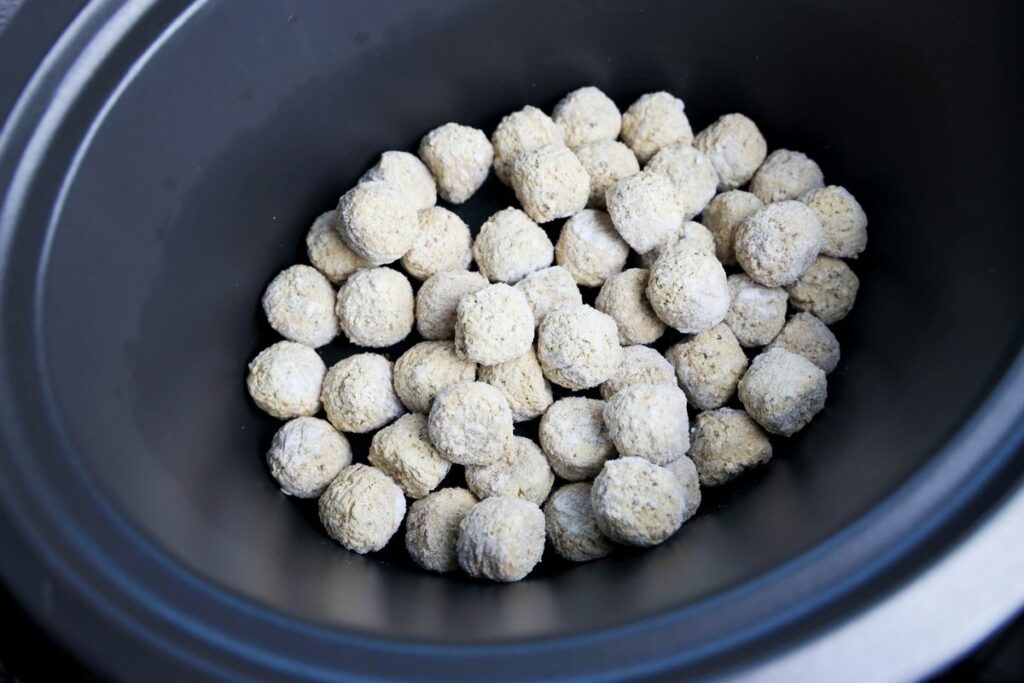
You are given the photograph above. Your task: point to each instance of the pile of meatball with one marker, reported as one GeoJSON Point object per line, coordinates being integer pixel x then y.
{"type": "Point", "coordinates": [746, 292]}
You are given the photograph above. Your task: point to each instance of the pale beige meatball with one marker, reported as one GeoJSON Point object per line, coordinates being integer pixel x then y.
{"type": "Point", "coordinates": [438, 298]}
{"type": "Point", "coordinates": [403, 451]}
{"type": "Point", "coordinates": [587, 115]}
{"type": "Point", "coordinates": [756, 313]}
{"type": "Point", "coordinates": [362, 508]}
{"type": "Point", "coordinates": [735, 147]}
{"type": "Point", "coordinates": [725, 443]}
{"type": "Point", "coordinates": [783, 391]}
{"type": "Point", "coordinates": [521, 380]}
{"type": "Point", "coordinates": [606, 162]}
{"type": "Point", "coordinates": [375, 307]}
{"type": "Point", "coordinates": [575, 438]}
{"type": "Point", "coordinates": [305, 455]}
{"type": "Point", "coordinates": [590, 248]}
{"type": "Point", "coordinates": [637, 502]}
{"type": "Point", "coordinates": [722, 216]}
{"type": "Point", "coordinates": [493, 325]}
{"type": "Point", "coordinates": [511, 246]}
{"type": "Point", "coordinates": [549, 288]}
{"type": "Point", "coordinates": [432, 528]}
{"type": "Point", "coordinates": [644, 210]}
{"type": "Point", "coordinates": [299, 305]}
{"type": "Point", "coordinates": [686, 473]}
{"type": "Point", "coordinates": [459, 157]}
{"type": "Point", "coordinates": [844, 221]}
{"type": "Point", "coordinates": [785, 175]}
{"type": "Point", "coordinates": [285, 379]}
{"type": "Point", "coordinates": [358, 394]}
{"type": "Point", "coordinates": [708, 366]}
{"type": "Point", "coordinates": [805, 335]}
{"type": "Point", "coordinates": [427, 368]}
{"type": "Point", "coordinates": [688, 288]}
{"type": "Point", "coordinates": [409, 175]}
{"type": "Point", "coordinates": [470, 423]}
{"type": "Point", "coordinates": [654, 121]}
{"type": "Point", "coordinates": [501, 539]}
{"type": "Point", "coordinates": [328, 252]}
{"type": "Point", "coordinates": [640, 365]}
{"type": "Point", "coordinates": [699, 236]}
{"type": "Point", "coordinates": [443, 243]}
{"type": "Point", "coordinates": [692, 175]}
{"type": "Point", "coordinates": [777, 244]}
{"type": "Point", "coordinates": [649, 421]}
{"type": "Point", "coordinates": [578, 347]}
{"type": "Point", "coordinates": [571, 525]}
{"type": "Point", "coordinates": [550, 182]}
{"type": "Point", "coordinates": [827, 289]}
{"type": "Point", "coordinates": [377, 221]}
{"type": "Point", "coordinates": [521, 472]}
{"type": "Point", "coordinates": [521, 131]}
{"type": "Point", "coordinates": [624, 297]}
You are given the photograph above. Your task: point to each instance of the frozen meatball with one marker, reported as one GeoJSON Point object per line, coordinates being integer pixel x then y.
{"type": "Point", "coordinates": [590, 248]}
{"type": "Point", "coordinates": [548, 289]}
{"type": "Point", "coordinates": [377, 221]}
{"type": "Point", "coordinates": [299, 305]}
{"type": "Point", "coordinates": [501, 539]}
{"type": "Point", "coordinates": [649, 421]}
{"type": "Point", "coordinates": [358, 395]}
{"type": "Point", "coordinates": [305, 455]}
{"type": "Point", "coordinates": [438, 298]}
{"type": "Point", "coordinates": [655, 121]}
{"type": "Point", "coordinates": [493, 325]}
{"type": "Point", "coordinates": [726, 442]}
{"type": "Point", "coordinates": [578, 347]}
{"type": "Point", "coordinates": [432, 528]}
{"type": "Point", "coordinates": [778, 243]}
{"type": "Point", "coordinates": [510, 246]}
{"type": "Point", "coordinates": [587, 115]}
{"type": "Point", "coordinates": [521, 472]}
{"type": "Point", "coordinates": [606, 162]}
{"type": "Point", "coordinates": [644, 210]}
{"type": "Point", "coordinates": [522, 382]}
{"type": "Point", "coordinates": [691, 173]}
{"type": "Point", "coordinates": [362, 508]}
{"type": "Point", "coordinates": [575, 438]}
{"type": "Point", "coordinates": [708, 366]}
{"type": "Point", "coordinates": [550, 182]}
{"type": "Point", "coordinates": [571, 525]}
{"type": "Point", "coordinates": [722, 216]}
{"type": "Point", "coordinates": [785, 175]}
{"type": "Point", "coordinates": [688, 288]}
{"type": "Point", "coordinates": [699, 236]}
{"type": "Point", "coordinates": [470, 423]}
{"type": "Point", "coordinates": [624, 298]}
{"type": "Point", "coordinates": [375, 307]}
{"type": "Point", "coordinates": [827, 289]}
{"type": "Point", "coordinates": [805, 335]}
{"type": "Point", "coordinates": [637, 502]}
{"type": "Point", "coordinates": [735, 147]}
{"type": "Point", "coordinates": [783, 391]}
{"type": "Point", "coordinates": [686, 473]}
{"type": "Point", "coordinates": [640, 365]}
{"type": "Point", "coordinates": [284, 380]}
{"type": "Point", "coordinates": [427, 368]}
{"type": "Point", "coordinates": [521, 131]}
{"type": "Point", "coordinates": [403, 451]}
{"type": "Point", "coordinates": [443, 243]}
{"type": "Point", "coordinates": [328, 252]}
{"type": "Point", "coordinates": [459, 157]}
{"type": "Point", "coordinates": [407, 173]}
{"type": "Point", "coordinates": [844, 221]}
{"type": "Point", "coordinates": [756, 313]}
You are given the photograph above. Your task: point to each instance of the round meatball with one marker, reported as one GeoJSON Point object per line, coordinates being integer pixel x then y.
{"type": "Point", "coordinates": [644, 210]}
{"type": "Point", "coordinates": [756, 313]}
{"type": "Point", "coordinates": [501, 539]}
{"type": "Point", "coordinates": [305, 455]}
{"type": "Point", "coordinates": [443, 243]}
{"type": "Point", "coordinates": [299, 305]}
{"type": "Point", "coordinates": [649, 421]}
{"type": "Point", "coordinates": [699, 236]}
{"type": "Point", "coordinates": [459, 157]}
{"type": "Point", "coordinates": [688, 288]}
{"type": "Point", "coordinates": [827, 289]}
{"type": "Point", "coordinates": [735, 147]}
{"type": "Point", "coordinates": [362, 508]}
{"type": "Point", "coordinates": [587, 115]}
{"type": "Point", "coordinates": [805, 335]}
{"type": "Point", "coordinates": [377, 221]}
{"type": "Point", "coordinates": [692, 175]}
{"type": "Point", "coordinates": [403, 451]}
{"type": "Point", "coordinates": [640, 365]}
{"type": "Point", "coordinates": [521, 380]}
{"type": "Point", "coordinates": [358, 395]}
{"type": "Point", "coordinates": [777, 244]}
{"type": "Point", "coordinates": [408, 174]}
{"type": "Point", "coordinates": [328, 252]}
{"type": "Point", "coordinates": [590, 248]}
{"type": "Point", "coordinates": [548, 289]}
{"type": "Point", "coordinates": [654, 121]}
{"type": "Point", "coordinates": [783, 391]}
{"type": "Point", "coordinates": [624, 298]}
{"type": "Point", "coordinates": [606, 162]}
{"type": "Point", "coordinates": [493, 325]}
{"type": "Point", "coordinates": [432, 528]}
{"type": "Point", "coordinates": [575, 438]}
{"type": "Point", "coordinates": [708, 366]}
{"type": "Point", "coordinates": [438, 298]}
{"type": "Point", "coordinates": [685, 472]}
{"type": "Point", "coordinates": [470, 423]}
{"type": "Point", "coordinates": [375, 307]}
{"type": "Point", "coordinates": [284, 380]}
{"type": "Point", "coordinates": [521, 131]}
{"type": "Point", "coordinates": [785, 175]}
{"type": "Point", "coordinates": [844, 222]}
{"type": "Point", "coordinates": [550, 182]}
{"type": "Point", "coordinates": [637, 502]}
{"type": "Point", "coordinates": [578, 347]}
{"type": "Point", "coordinates": [511, 246]}
{"type": "Point", "coordinates": [427, 368]}
{"type": "Point", "coordinates": [521, 472]}
{"type": "Point", "coordinates": [725, 443]}
{"type": "Point", "coordinates": [571, 525]}
{"type": "Point", "coordinates": [722, 216]}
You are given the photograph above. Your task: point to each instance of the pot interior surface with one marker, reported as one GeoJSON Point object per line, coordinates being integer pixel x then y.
{"type": "Point", "coordinates": [216, 152]}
